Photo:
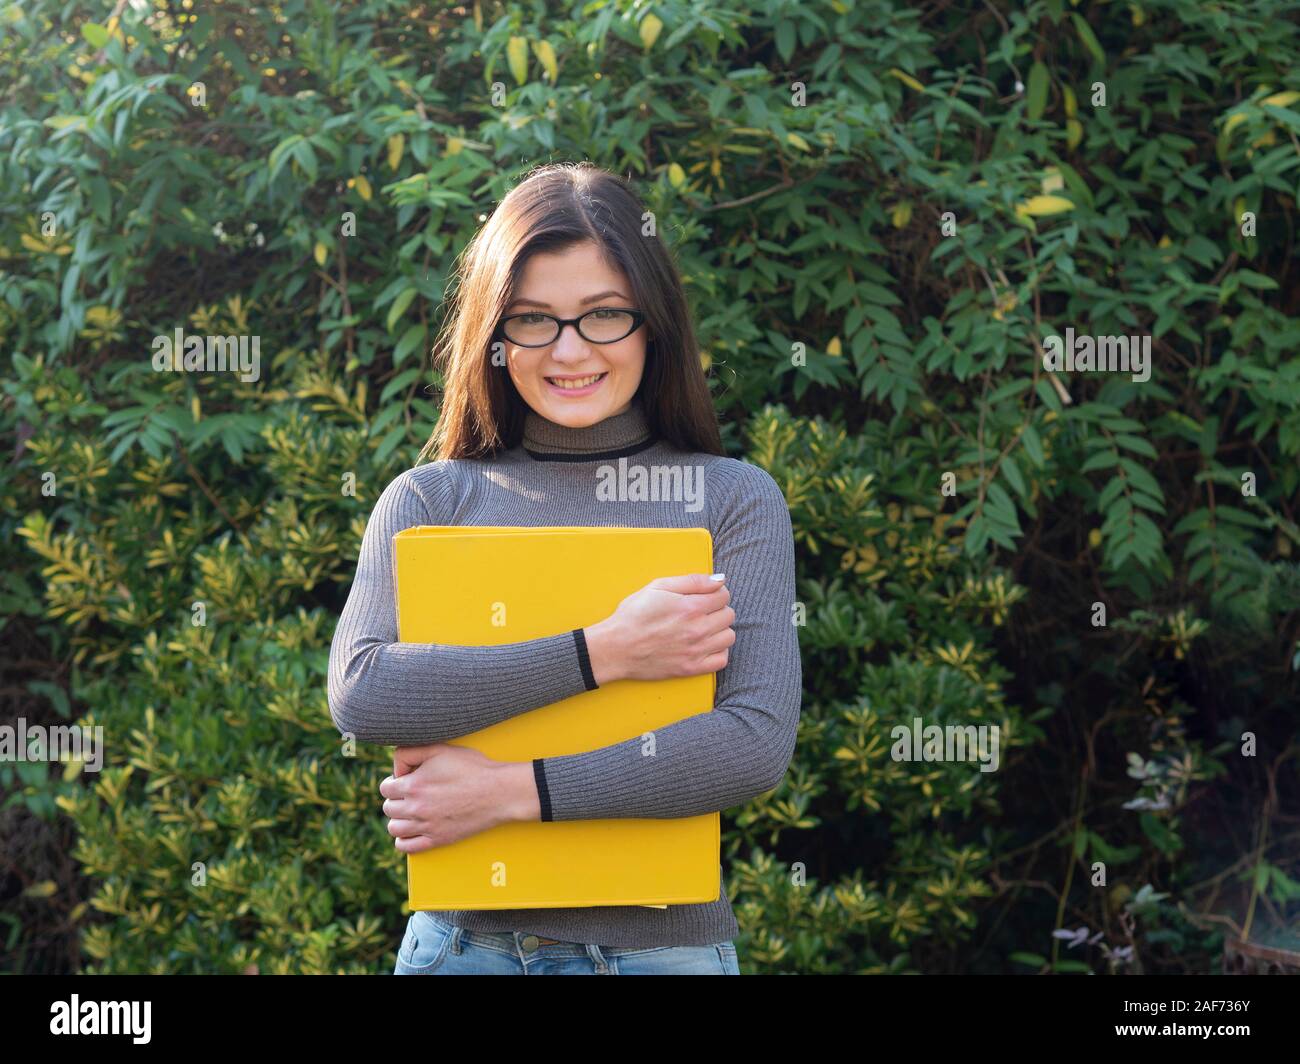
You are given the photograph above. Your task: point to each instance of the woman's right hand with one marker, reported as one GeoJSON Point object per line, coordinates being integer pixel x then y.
{"type": "Point", "coordinates": [674, 626]}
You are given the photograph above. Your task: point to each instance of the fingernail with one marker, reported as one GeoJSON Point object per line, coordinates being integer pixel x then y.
{"type": "Point", "coordinates": [718, 576]}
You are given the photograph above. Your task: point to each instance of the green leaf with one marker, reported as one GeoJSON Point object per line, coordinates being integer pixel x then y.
{"type": "Point", "coordinates": [389, 442]}
{"type": "Point", "coordinates": [1036, 95]}
{"type": "Point", "coordinates": [390, 413]}
{"type": "Point", "coordinates": [785, 40]}
{"type": "Point", "coordinates": [1048, 395]}
{"type": "Point", "coordinates": [1008, 390]}
{"type": "Point", "coordinates": [1136, 444]}
{"type": "Point", "coordinates": [1034, 960]}
{"type": "Point", "coordinates": [1001, 507]}
{"type": "Point", "coordinates": [56, 694]}
{"type": "Point", "coordinates": [1101, 460]}
{"type": "Point", "coordinates": [1012, 472]}
{"type": "Point", "coordinates": [399, 306]}
{"type": "Point", "coordinates": [411, 339]}
{"type": "Point", "coordinates": [1155, 830]}
{"type": "Point", "coordinates": [95, 34]}
{"type": "Point", "coordinates": [302, 151]}
{"type": "Point", "coordinates": [1033, 445]}
{"type": "Point", "coordinates": [1251, 279]}
{"type": "Point", "coordinates": [1114, 489]}
{"type": "Point", "coordinates": [1112, 855]}
{"type": "Point", "coordinates": [1140, 478]}
{"type": "Point", "coordinates": [280, 153]}
{"type": "Point", "coordinates": [398, 384]}
{"type": "Point", "coordinates": [1088, 38]}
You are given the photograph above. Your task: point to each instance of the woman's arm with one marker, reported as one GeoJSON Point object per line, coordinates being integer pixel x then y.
{"type": "Point", "coordinates": [402, 694]}
{"type": "Point", "coordinates": [716, 760]}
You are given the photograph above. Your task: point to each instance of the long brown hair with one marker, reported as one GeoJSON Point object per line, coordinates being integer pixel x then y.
{"type": "Point", "coordinates": [553, 208]}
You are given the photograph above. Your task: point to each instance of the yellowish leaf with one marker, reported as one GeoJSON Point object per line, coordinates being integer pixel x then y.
{"type": "Point", "coordinates": [363, 187]}
{"type": "Point", "coordinates": [797, 141]}
{"type": "Point", "coordinates": [454, 145]}
{"type": "Point", "coordinates": [1281, 99]}
{"type": "Point", "coordinates": [649, 30]}
{"type": "Point", "coordinates": [517, 57]}
{"type": "Point", "coordinates": [676, 175]}
{"type": "Point", "coordinates": [44, 889]}
{"type": "Point", "coordinates": [546, 56]}
{"type": "Point", "coordinates": [1071, 101]}
{"type": "Point", "coordinates": [321, 253]}
{"type": "Point", "coordinates": [834, 347]}
{"type": "Point", "coordinates": [1073, 133]}
{"type": "Point", "coordinates": [1039, 205]}
{"type": "Point", "coordinates": [901, 215]}
{"type": "Point", "coordinates": [396, 144]}
{"type": "Point", "coordinates": [907, 79]}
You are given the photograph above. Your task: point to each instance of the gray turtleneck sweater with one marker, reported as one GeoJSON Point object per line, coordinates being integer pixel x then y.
{"type": "Point", "coordinates": [402, 694]}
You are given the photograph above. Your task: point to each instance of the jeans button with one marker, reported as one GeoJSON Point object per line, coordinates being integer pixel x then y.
{"type": "Point", "coordinates": [529, 943]}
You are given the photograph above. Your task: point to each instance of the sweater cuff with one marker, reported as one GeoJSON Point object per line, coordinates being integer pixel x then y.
{"type": "Point", "coordinates": [584, 659]}
{"type": "Point", "coordinates": [543, 795]}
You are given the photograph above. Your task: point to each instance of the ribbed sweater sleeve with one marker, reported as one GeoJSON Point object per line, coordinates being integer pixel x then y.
{"type": "Point", "coordinates": [712, 761]}
{"type": "Point", "coordinates": [405, 694]}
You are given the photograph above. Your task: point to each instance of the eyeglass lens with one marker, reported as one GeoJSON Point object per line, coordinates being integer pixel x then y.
{"type": "Point", "coordinates": [602, 326]}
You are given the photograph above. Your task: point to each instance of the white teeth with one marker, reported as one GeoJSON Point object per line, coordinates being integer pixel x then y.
{"type": "Point", "coordinates": [581, 382]}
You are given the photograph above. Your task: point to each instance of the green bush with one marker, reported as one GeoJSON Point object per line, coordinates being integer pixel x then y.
{"type": "Point", "coordinates": [882, 212]}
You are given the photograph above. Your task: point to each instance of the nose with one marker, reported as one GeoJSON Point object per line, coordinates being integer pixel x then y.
{"type": "Point", "coordinates": [569, 346]}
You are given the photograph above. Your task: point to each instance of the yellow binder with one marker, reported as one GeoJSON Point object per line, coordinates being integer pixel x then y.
{"type": "Point", "coordinates": [484, 586]}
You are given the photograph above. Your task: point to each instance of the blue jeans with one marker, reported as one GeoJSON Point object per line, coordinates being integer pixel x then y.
{"type": "Point", "coordinates": [431, 946]}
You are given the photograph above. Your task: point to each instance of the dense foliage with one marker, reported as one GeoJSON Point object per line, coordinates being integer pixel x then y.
{"type": "Point", "coordinates": [883, 213]}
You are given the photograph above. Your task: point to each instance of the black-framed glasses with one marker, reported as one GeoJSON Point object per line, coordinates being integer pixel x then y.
{"type": "Point", "coordinates": [604, 325]}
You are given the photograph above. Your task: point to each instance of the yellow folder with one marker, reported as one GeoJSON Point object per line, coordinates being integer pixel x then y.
{"type": "Point", "coordinates": [485, 586]}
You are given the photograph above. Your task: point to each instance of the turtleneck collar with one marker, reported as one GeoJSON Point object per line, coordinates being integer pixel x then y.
{"type": "Point", "coordinates": [623, 434]}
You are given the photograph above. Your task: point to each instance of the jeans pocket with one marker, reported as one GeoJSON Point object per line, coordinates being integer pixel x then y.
{"type": "Point", "coordinates": [424, 946]}
{"type": "Point", "coordinates": [673, 960]}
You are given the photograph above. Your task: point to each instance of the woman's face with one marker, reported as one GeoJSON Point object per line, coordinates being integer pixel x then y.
{"type": "Point", "coordinates": [567, 284]}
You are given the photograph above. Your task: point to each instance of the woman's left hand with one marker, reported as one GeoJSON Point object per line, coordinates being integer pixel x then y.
{"type": "Point", "coordinates": [439, 794]}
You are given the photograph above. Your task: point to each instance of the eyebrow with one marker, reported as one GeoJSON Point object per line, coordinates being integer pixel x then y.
{"type": "Point", "coordinates": [589, 299]}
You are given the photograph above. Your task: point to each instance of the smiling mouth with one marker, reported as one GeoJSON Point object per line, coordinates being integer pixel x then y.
{"type": "Point", "coordinates": [573, 383]}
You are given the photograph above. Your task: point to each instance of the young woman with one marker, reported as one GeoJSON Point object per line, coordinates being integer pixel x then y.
{"type": "Point", "coordinates": [569, 346]}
